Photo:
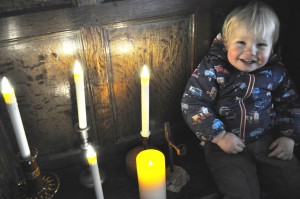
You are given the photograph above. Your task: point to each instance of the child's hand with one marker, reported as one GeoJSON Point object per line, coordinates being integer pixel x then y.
{"type": "Point", "coordinates": [230, 143]}
{"type": "Point", "coordinates": [283, 148]}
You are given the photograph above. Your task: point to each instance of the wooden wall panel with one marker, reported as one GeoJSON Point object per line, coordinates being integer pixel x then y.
{"type": "Point", "coordinates": [96, 62]}
{"type": "Point", "coordinates": [115, 63]}
{"type": "Point", "coordinates": [40, 70]}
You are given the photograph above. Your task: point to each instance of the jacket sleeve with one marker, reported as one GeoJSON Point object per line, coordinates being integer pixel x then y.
{"type": "Point", "coordinates": [287, 106]}
{"type": "Point", "coordinates": [198, 101]}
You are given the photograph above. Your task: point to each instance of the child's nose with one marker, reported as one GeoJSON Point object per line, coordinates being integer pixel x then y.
{"type": "Point", "coordinates": [250, 50]}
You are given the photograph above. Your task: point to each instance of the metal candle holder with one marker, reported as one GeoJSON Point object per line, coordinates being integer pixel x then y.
{"type": "Point", "coordinates": [85, 178]}
{"type": "Point", "coordinates": [83, 135]}
{"type": "Point", "coordinates": [36, 185]}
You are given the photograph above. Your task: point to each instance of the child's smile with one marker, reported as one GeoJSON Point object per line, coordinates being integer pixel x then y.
{"type": "Point", "coordinates": [248, 51]}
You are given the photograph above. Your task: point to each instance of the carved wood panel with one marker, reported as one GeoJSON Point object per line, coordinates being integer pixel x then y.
{"type": "Point", "coordinates": [40, 70]}
{"type": "Point", "coordinates": [115, 59]}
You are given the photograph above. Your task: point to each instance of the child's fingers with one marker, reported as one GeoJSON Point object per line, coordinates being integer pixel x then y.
{"type": "Point", "coordinates": [241, 144]}
{"type": "Point", "coordinates": [275, 152]}
{"type": "Point", "coordinates": [274, 144]}
{"type": "Point", "coordinates": [282, 155]}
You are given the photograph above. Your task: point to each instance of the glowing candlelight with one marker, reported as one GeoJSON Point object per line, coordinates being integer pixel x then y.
{"type": "Point", "coordinates": [92, 160]}
{"type": "Point", "coordinates": [151, 173]}
{"type": "Point", "coordinates": [145, 78]}
{"type": "Point", "coordinates": [15, 117]}
{"type": "Point", "coordinates": [80, 95]}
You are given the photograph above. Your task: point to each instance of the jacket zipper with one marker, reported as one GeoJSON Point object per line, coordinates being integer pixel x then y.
{"type": "Point", "coordinates": [243, 108]}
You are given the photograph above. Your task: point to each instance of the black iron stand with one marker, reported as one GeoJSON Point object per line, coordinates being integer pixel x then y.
{"type": "Point", "coordinates": [180, 149]}
{"type": "Point", "coordinates": [36, 185]}
{"type": "Point", "coordinates": [85, 178]}
{"type": "Point", "coordinates": [177, 177]}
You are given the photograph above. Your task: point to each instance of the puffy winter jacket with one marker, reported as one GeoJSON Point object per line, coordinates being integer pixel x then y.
{"type": "Point", "coordinates": [219, 97]}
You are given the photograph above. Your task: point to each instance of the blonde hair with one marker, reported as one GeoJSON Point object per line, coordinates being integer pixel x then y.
{"type": "Point", "coordinates": [257, 15]}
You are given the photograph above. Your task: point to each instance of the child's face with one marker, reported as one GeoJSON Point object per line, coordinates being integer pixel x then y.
{"type": "Point", "coordinates": [247, 52]}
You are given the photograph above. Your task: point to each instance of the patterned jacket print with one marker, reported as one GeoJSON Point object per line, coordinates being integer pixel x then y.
{"type": "Point", "coordinates": [218, 97]}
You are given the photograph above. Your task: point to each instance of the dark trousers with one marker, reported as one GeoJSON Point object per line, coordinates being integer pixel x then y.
{"type": "Point", "coordinates": [251, 174]}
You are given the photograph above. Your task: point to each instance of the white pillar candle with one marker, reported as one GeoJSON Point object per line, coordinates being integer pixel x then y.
{"type": "Point", "coordinates": [151, 172]}
{"type": "Point", "coordinates": [92, 160]}
{"type": "Point", "coordinates": [80, 95]}
{"type": "Point", "coordinates": [145, 78]}
{"type": "Point", "coordinates": [15, 117]}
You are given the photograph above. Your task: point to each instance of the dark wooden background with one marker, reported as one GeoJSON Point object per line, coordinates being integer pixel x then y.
{"type": "Point", "coordinates": [113, 40]}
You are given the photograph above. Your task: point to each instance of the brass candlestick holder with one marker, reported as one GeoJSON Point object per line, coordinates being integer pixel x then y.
{"type": "Point", "coordinates": [36, 185]}
{"type": "Point", "coordinates": [85, 177]}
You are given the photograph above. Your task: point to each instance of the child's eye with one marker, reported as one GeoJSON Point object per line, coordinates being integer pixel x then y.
{"type": "Point", "coordinates": [262, 45]}
{"type": "Point", "coordinates": [241, 42]}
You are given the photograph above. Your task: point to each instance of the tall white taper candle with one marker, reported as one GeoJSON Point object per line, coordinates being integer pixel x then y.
{"type": "Point", "coordinates": [80, 95]}
{"type": "Point", "coordinates": [15, 117]}
{"type": "Point", "coordinates": [145, 79]}
{"type": "Point", "coordinates": [92, 160]}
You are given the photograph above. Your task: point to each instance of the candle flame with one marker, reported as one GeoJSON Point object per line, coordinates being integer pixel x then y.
{"type": "Point", "coordinates": [91, 155]}
{"type": "Point", "coordinates": [77, 68]}
{"type": "Point", "coordinates": [5, 86]}
{"type": "Point", "coordinates": [150, 163]}
{"type": "Point", "coordinates": [145, 72]}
